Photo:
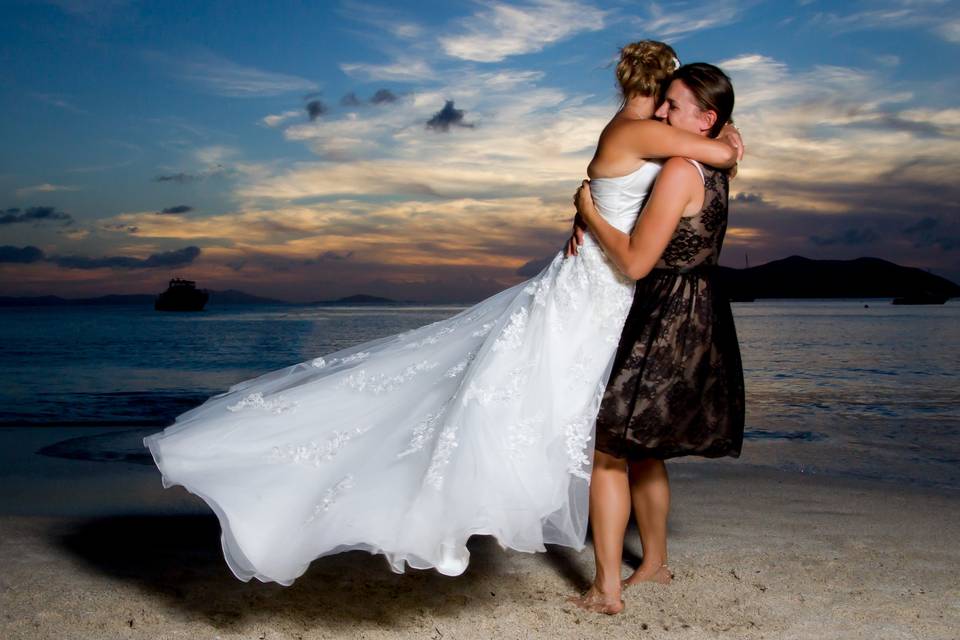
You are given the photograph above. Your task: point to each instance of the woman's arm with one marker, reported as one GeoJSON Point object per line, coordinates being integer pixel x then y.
{"type": "Point", "coordinates": [636, 254]}
{"type": "Point", "coordinates": [655, 139]}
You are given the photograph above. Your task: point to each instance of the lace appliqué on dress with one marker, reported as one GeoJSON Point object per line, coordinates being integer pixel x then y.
{"type": "Point", "coordinates": [277, 405]}
{"type": "Point", "coordinates": [381, 383]}
{"type": "Point", "coordinates": [315, 453]}
{"type": "Point", "coordinates": [511, 336]}
{"type": "Point", "coordinates": [578, 433]}
{"type": "Point", "coordinates": [484, 395]}
{"type": "Point", "coordinates": [460, 367]}
{"type": "Point", "coordinates": [330, 497]}
{"type": "Point", "coordinates": [524, 435]}
{"type": "Point", "coordinates": [446, 443]}
{"type": "Point", "coordinates": [483, 330]}
{"type": "Point", "coordinates": [320, 363]}
{"type": "Point", "coordinates": [423, 432]}
{"type": "Point", "coordinates": [432, 338]}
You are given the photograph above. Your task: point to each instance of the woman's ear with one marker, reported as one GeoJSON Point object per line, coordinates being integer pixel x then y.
{"type": "Point", "coordinates": [707, 120]}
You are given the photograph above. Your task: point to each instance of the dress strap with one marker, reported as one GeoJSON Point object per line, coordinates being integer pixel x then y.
{"type": "Point", "coordinates": [699, 169]}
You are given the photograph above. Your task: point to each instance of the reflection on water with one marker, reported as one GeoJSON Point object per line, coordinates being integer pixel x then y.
{"type": "Point", "coordinates": [832, 387]}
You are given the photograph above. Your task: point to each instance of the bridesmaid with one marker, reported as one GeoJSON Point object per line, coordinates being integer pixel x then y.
{"type": "Point", "coordinates": [676, 387]}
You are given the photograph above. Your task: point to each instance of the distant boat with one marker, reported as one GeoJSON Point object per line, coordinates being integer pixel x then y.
{"type": "Point", "coordinates": [181, 295]}
{"type": "Point", "coordinates": [923, 297]}
{"type": "Point", "coordinates": [744, 295]}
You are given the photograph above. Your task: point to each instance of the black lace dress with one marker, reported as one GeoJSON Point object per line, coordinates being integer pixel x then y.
{"type": "Point", "coordinates": [676, 387]}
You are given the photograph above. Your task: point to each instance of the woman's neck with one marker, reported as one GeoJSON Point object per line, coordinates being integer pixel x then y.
{"type": "Point", "coordinates": [639, 107]}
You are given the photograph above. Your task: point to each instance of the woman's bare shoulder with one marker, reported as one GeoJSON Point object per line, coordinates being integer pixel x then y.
{"type": "Point", "coordinates": [614, 155]}
{"type": "Point", "coordinates": [677, 170]}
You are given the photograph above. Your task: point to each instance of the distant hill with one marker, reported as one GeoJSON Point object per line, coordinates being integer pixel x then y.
{"type": "Point", "coordinates": [52, 301]}
{"type": "Point", "coordinates": [360, 299]}
{"type": "Point", "coordinates": [230, 296]}
{"type": "Point", "coordinates": [799, 277]}
{"type": "Point", "coordinates": [793, 277]}
{"type": "Point", "coordinates": [234, 296]}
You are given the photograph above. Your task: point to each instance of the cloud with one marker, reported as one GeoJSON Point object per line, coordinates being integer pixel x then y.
{"type": "Point", "coordinates": [277, 120]}
{"type": "Point", "coordinates": [678, 20]}
{"type": "Point", "coordinates": [30, 254]}
{"type": "Point", "coordinates": [125, 228]}
{"type": "Point", "coordinates": [350, 100]}
{"type": "Point", "coordinates": [92, 10]}
{"type": "Point", "coordinates": [166, 259]}
{"type": "Point", "coordinates": [533, 267]}
{"type": "Point", "coordinates": [830, 125]}
{"type": "Point", "coordinates": [853, 236]}
{"type": "Point", "coordinates": [56, 101]}
{"type": "Point", "coordinates": [385, 19]}
{"type": "Point", "coordinates": [447, 117]}
{"type": "Point", "coordinates": [383, 96]}
{"type": "Point", "coordinates": [949, 30]}
{"type": "Point", "coordinates": [533, 140]}
{"type": "Point", "coordinates": [502, 30]}
{"type": "Point", "coordinates": [333, 255]}
{"type": "Point", "coordinates": [183, 177]}
{"type": "Point", "coordinates": [315, 109]}
{"type": "Point", "coordinates": [34, 214]}
{"type": "Point", "coordinates": [931, 232]}
{"type": "Point", "coordinates": [46, 187]}
{"type": "Point", "coordinates": [180, 208]}
{"type": "Point", "coordinates": [20, 255]}
{"type": "Point", "coordinates": [400, 70]}
{"type": "Point", "coordinates": [941, 18]}
{"type": "Point", "coordinates": [217, 75]}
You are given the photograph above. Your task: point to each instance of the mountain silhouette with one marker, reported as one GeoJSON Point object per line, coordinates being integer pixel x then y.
{"type": "Point", "coordinates": [799, 277]}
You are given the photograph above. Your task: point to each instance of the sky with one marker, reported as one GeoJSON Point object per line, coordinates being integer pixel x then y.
{"type": "Point", "coordinates": [429, 151]}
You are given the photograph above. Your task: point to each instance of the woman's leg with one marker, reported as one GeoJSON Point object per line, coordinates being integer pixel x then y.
{"type": "Point", "coordinates": [609, 514]}
{"type": "Point", "coordinates": [650, 494]}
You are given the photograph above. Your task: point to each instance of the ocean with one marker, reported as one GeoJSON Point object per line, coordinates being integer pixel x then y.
{"type": "Point", "coordinates": [858, 388]}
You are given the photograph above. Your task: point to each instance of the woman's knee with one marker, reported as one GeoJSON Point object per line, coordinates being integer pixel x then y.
{"type": "Point", "coordinates": [609, 462]}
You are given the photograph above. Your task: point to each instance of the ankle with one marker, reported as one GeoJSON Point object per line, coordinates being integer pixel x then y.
{"type": "Point", "coordinates": [607, 587]}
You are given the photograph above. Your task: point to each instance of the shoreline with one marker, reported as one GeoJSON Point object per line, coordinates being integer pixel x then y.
{"type": "Point", "coordinates": [758, 553]}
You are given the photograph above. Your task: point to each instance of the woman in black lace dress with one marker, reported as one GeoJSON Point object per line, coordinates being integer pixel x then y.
{"type": "Point", "coordinates": [676, 387]}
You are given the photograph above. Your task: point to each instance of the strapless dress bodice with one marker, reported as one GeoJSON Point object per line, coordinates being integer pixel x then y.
{"type": "Point", "coordinates": [620, 199]}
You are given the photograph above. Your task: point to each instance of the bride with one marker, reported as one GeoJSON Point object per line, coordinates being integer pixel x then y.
{"type": "Point", "coordinates": [479, 424]}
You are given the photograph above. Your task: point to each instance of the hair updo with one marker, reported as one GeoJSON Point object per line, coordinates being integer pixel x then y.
{"type": "Point", "coordinates": [645, 68]}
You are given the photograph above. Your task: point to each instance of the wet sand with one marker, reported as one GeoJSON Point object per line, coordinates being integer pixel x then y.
{"type": "Point", "coordinates": [757, 553]}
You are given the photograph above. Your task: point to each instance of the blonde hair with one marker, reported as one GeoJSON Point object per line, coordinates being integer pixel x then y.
{"type": "Point", "coordinates": [645, 69]}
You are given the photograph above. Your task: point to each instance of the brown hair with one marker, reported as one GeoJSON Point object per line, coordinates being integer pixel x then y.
{"type": "Point", "coordinates": [645, 68]}
{"type": "Point", "coordinates": [712, 90]}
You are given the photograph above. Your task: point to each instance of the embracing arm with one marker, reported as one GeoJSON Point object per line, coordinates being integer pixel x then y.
{"type": "Point", "coordinates": [636, 254]}
{"type": "Point", "coordinates": [654, 139]}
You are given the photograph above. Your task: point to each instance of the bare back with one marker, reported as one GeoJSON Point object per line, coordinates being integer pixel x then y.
{"type": "Point", "coordinates": [614, 156]}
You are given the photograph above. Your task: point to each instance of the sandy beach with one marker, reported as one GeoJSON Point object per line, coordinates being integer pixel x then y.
{"type": "Point", "coordinates": [758, 553]}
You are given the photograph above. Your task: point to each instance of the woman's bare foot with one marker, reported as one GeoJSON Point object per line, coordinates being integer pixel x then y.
{"type": "Point", "coordinates": [661, 574]}
{"type": "Point", "coordinates": [598, 602]}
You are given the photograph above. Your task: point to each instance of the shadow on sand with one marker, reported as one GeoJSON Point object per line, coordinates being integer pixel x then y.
{"type": "Point", "coordinates": [178, 559]}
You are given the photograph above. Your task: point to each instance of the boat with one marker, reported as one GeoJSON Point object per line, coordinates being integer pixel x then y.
{"type": "Point", "coordinates": [922, 297]}
{"type": "Point", "coordinates": [181, 295]}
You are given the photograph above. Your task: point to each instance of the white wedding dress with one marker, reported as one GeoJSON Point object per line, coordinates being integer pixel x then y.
{"type": "Point", "coordinates": [408, 445]}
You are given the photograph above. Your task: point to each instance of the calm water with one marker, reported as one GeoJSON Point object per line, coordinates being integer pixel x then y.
{"type": "Point", "coordinates": [832, 387]}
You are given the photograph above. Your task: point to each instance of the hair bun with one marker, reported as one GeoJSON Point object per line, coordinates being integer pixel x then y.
{"type": "Point", "coordinates": [645, 67]}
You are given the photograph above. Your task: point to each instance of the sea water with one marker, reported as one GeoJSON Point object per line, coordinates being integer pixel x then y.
{"type": "Point", "coordinates": [857, 388]}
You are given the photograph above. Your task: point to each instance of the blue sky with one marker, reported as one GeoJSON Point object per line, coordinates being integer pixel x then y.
{"type": "Point", "coordinates": [428, 151]}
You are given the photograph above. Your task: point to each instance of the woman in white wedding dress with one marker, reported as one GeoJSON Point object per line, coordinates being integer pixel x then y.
{"type": "Point", "coordinates": [408, 445]}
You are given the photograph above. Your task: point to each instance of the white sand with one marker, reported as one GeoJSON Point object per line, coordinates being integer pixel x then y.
{"type": "Point", "coordinates": [757, 554]}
